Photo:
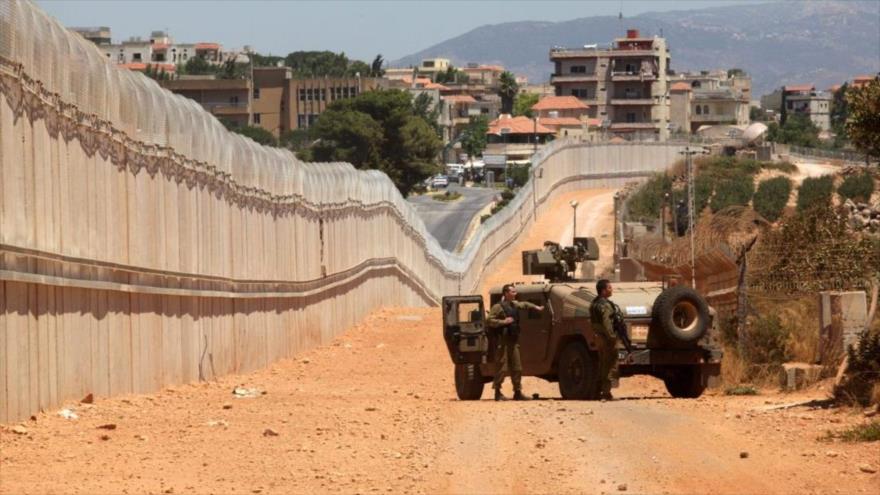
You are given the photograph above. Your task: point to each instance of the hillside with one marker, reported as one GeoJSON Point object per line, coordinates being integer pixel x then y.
{"type": "Point", "coordinates": [778, 43]}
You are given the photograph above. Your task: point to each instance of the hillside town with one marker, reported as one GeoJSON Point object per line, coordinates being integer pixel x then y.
{"type": "Point", "coordinates": [229, 270]}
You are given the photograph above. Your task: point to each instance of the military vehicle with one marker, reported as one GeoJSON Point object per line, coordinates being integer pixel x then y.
{"type": "Point", "coordinates": [668, 325]}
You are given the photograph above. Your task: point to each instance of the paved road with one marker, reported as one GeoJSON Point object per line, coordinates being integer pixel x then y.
{"type": "Point", "coordinates": [448, 221]}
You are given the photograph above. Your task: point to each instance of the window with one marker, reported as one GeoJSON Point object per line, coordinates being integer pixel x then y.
{"type": "Point", "coordinates": [428, 63]}
{"type": "Point", "coordinates": [631, 117]}
{"type": "Point", "coordinates": [233, 100]}
{"type": "Point", "coordinates": [256, 93]}
{"type": "Point", "coordinates": [699, 110]}
{"type": "Point", "coordinates": [136, 57]}
{"type": "Point", "coordinates": [301, 121]}
{"type": "Point", "coordinates": [705, 109]}
{"type": "Point", "coordinates": [302, 94]}
{"type": "Point", "coordinates": [579, 92]}
{"type": "Point", "coordinates": [578, 69]}
{"type": "Point", "coordinates": [257, 119]}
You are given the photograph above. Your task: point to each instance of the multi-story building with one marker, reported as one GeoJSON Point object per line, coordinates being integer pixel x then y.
{"type": "Point", "coordinates": [226, 99]}
{"type": "Point", "coordinates": [568, 116]}
{"type": "Point", "coordinates": [805, 100]}
{"type": "Point", "coordinates": [487, 75]}
{"type": "Point", "coordinates": [98, 35]}
{"type": "Point", "coordinates": [516, 138]}
{"type": "Point", "coordinates": [708, 98]}
{"type": "Point", "coordinates": [159, 51]}
{"type": "Point", "coordinates": [431, 66]}
{"type": "Point", "coordinates": [624, 85]}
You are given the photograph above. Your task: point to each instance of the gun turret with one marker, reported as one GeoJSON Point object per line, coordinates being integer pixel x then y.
{"type": "Point", "coordinates": [557, 263]}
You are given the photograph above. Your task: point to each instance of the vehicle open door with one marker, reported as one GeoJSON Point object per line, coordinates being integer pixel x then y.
{"type": "Point", "coordinates": [464, 329]}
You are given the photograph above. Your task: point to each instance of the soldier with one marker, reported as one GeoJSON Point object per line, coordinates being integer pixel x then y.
{"type": "Point", "coordinates": [504, 317]}
{"type": "Point", "coordinates": [603, 313]}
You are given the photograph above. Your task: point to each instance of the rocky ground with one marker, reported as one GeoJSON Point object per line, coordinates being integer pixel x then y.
{"type": "Point", "coordinates": [374, 411]}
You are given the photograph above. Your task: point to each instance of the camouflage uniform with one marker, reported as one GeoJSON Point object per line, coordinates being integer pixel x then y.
{"type": "Point", "coordinates": [602, 313]}
{"type": "Point", "coordinates": [507, 352]}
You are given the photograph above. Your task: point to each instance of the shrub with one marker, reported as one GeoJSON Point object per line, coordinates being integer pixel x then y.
{"type": "Point", "coordinates": [647, 201]}
{"type": "Point", "coordinates": [736, 190]}
{"type": "Point", "coordinates": [857, 187]}
{"type": "Point", "coordinates": [863, 370]}
{"type": "Point", "coordinates": [868, 432]}
{"type": "Point", "coordinates": [519, 174]}
{"type": "Point", "coordinates": [741, 390]}
{"type": "Point", "coordinates": [815, 191]}
{"type": "Point", "coordinates": [785, 167]}
{"type": "Point", "coordinates": [767, 339]}
{"type": "Point", "coordinates": [507, 195]}
{"type": "Point", "coordinates": [772, 196]}
{"type": "Point", "coordinates": [447, 196]}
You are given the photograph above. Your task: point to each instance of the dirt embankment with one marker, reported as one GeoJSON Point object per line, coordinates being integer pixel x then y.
{"type": "Point", "coordinates": [375, 412]}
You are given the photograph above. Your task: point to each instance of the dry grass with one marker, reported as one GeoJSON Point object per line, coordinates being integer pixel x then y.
{"type": "Point", "coordinates": [800, 319]}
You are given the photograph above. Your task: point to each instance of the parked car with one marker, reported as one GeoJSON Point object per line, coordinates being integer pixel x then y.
{"type": "Point", "coordinates": [440, 181]}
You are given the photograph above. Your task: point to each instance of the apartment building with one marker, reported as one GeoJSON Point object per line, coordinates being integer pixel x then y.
{"type": "Point", "coordinates": [624, 85]}
{"type": "Point", "coordinates": [487, 75]}
{"type": "Point", "coordinates": [99, 35]}
{"type": "Point", "coordinates": [801, 99]}
{"type": "Point", "coordinates": [226, 99]}
{"type": "Point", "coordinates": [708, 98]}
{"type": "Point", "coordinates": [160, 50]}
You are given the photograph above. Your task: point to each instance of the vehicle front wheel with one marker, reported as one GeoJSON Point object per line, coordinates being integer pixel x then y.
{"type": "Point", "coordinates": [685, 383]}
{"type": "Point", "coordinates": [578, 373]}
{"type": "Point", "coordinates": [468, 381]}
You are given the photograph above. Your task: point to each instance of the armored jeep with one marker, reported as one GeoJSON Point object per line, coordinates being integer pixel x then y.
{"type": "Point", "coordinates": [668, 328]}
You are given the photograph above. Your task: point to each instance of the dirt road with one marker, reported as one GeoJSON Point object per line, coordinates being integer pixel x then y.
{"type": "Point", "coordinates": [375, 412]}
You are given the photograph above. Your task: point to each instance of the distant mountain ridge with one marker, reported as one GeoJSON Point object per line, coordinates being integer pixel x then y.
{"type": "Point", "coordinates": [778, 43]}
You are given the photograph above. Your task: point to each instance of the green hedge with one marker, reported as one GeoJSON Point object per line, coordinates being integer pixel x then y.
{"type": "Point", "coordinates": [645, 203]}
{"type": "Point", "coordinates": [771, 197]}
{"type": "Point", "coordinates": [815, 191]}
{"type": "Point", "coordinates": [857, 187]}
{"type": "Point", "coordinates": [737, 190]}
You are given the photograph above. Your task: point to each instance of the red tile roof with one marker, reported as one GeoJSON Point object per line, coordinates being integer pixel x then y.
{"type": "Point", "coordinates": [834, 88]}
{"type": "Point", "coordinates": [207, 46]}
{"type": "Point", "coordinates": [436, 86]}
{"type": "Point", "coordinates": [798, 88]}
{"type": "Point", "coordinates": [459, 99]}
{"type": "Point", "coordinates": [860, 81]}
{"type": "Point", "coordinates": [517, 125]}
{"type": "Point", "coordinates": [560, 121]}
{"type": "Point", "coordinates": [496, 68]}
{"type": "Point", "coordinates": [680, 86]}
{"type": "Point", "coordinates": [560, 103]}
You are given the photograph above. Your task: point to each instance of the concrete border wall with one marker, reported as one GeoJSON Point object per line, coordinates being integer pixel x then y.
{"type": "Point", "coordinates": [141, 246]}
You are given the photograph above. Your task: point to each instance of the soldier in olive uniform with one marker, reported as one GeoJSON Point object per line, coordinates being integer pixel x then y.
{"type": "Point", "coordinates": [602, 315]}
{"type": "Point", "coordinates": [504, 317]}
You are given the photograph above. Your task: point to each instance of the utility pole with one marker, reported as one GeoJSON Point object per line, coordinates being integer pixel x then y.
{"type": "Point", "coordinates": [574, 213]}
{"type": "Point", "coordinates": [688, 153]}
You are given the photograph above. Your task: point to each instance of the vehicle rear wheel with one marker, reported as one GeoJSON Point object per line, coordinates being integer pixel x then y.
{"type": "Point", "coordinates": [685, 383]}
{"type": "Point", "coordinates": [468, 381]}
{"type": "Point", "coordinates": [682, 314]}
{"type": "Point", "coordinates": [578, 373]}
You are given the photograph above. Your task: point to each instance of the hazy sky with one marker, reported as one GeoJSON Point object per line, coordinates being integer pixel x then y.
{"type": "Point", "coordinates": [361, 29]}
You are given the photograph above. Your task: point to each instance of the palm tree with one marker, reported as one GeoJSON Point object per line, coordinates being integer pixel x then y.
{"type": "Point", "coordinates": [507, 90]}
{"type": "Point", "coordinates": [376, 69]}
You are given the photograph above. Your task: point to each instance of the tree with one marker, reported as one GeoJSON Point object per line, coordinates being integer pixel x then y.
{"type": "Point", "coordinates": [264, 60]}
{"type": "Point", "coordinates": [839, 114]}
{"type": "Point", "coordinates": [378, 130]}
{"type": "Point", "coordinates": [771, 197]}
{"type": "Point", "coordinates": [258, 134]}
{"type": "Point", "coordinates": [815, 192]}
{"type": "Point", "coordinates": [523, 103]}
{"type": "Point", "coordinates": [473, 140]}
{"type": "Point", "coordinates": [424, 107]}
{"type": "Point", "coordinates": [451, 75]}
{"type": "Point", "coordinates": [325, 64]}
{"type": "Point", "coordinates": [507, 90]}
{"type": "Point", "coordinates": [798, 130]}
{"type": "Point", "coordinates": [198, 66]}
{"type": "Point", "coordinates": [863, 124]}
{"type": "Point", "coordinates": [295, 139]}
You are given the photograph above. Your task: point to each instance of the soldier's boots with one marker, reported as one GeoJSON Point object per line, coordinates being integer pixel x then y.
{"type": "Point", "coordinates": [518, 395]}
{"type": "Point", "coordinates": [606, 396]}
{"type": "Point", "coordinates": [499, 395]}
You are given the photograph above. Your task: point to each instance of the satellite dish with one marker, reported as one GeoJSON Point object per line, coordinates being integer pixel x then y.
{"type": "Point", "coordinates": [754, 132]}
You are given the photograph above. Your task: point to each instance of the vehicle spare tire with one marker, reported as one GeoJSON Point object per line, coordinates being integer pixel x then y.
{"type": "Point", "coordinates": [681, 313]}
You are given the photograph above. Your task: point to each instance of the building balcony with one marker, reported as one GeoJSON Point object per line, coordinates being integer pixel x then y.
{"type": "Point", "coordinates": [513, 151]}
{"type": "Point", "coordinates": [634, 53]}
{"type": "Point", "coordinates": [621, 126]}
{"type": "Point", "coordinates": [621, 76]}
{"type": "Point", "coordinates": [574, 78]}
{"type": "Point", "coordinates": [567, 54]}
{"type": "Point", "coordinates": [227, 108]}
{"type": "Point", "coordinates": [718, 118]}
{"type": "Point", "coordinates": [632, 101]}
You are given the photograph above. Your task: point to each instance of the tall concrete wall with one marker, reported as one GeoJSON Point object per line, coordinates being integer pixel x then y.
{"type": "Point", "coordinates": [141, 245]}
